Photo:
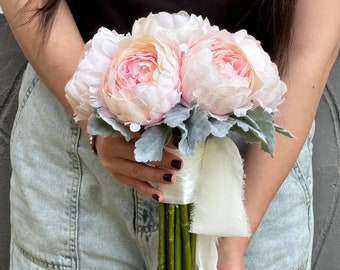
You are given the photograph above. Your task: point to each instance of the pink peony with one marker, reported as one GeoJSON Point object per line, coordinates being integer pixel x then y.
{"type": "Point", "coordinates": [136, 79]}
{"type": "Point", "coordinates": [217, 74]}
{"type": "Point", "coordinates": [179, 29]}
{"type": "Point", "coordinates": [83, 90]}
{"type": "Point", "coordinates": [142, 83]}
{"type": "Point", "coordinates": [229, 73]}
{"type": "Point", "coordinates": [268, 89]}
{"type": "Point", "coordinates": [133, 79]}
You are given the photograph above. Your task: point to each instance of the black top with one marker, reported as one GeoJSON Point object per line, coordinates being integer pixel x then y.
{"type": "Point", "coordinates": [120, 14]}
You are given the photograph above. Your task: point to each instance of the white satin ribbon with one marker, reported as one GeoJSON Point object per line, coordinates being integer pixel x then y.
{"type": "Point", "coordinates": [213, 180]}
{"type": "Point", "coordinates": [184, 190]}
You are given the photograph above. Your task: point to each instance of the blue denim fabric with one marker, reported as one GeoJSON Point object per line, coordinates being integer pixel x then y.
{"type": "Point", "coordinates": [67, 212]}
{"type": "Point", "coordinates": [284, 238]}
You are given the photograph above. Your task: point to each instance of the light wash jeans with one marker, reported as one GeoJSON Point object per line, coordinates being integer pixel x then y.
{"type": "Point", "coordinates": [67, 212]}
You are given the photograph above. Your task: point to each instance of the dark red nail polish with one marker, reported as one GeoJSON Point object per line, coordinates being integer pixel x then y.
{"type": "Point", "coordinates": [156, 197]}
{"type": "Point", "coordinates": [176, 164]}
{"type": "Point", "coordinates": [167, 177]}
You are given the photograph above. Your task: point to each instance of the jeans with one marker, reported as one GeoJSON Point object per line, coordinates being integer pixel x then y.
{"type": "Point", "coordinates": [68, 212]}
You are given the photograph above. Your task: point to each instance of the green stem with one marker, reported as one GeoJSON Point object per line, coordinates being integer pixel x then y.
{"type": "Point", "coordinates": [178, 240]}
{"type": "Point", "coordinates": [185, 238]}
{"type": "Point", "coordinates": [161, 242]}
{"type": "Point", "coordinates": [171, 237]}
{"type": "Point", "coordinates": [192, 240]}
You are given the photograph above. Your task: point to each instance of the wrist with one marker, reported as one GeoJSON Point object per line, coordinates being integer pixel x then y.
{"type": "Point", "coordinates": [238, 244]}
{"type": "Point", "coordinates": [91, 138]}
{"type": "Point", "coordinates": [83, 125]}
{"type": "Point", "coordinates": [231, 251]}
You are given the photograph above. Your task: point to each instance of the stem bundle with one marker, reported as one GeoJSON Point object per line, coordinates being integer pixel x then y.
{"type": "Point", "coordinates": [176, 244]}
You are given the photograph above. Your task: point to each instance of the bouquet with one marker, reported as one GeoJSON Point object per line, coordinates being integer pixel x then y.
{"type": "Point", "coordinates": [179, 72]}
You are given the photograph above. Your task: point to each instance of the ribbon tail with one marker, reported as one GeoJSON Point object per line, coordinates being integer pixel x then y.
{"type": "Point", "coordinates": [206, 252]}
{"type": "Point", "coordinates": [219, 210]}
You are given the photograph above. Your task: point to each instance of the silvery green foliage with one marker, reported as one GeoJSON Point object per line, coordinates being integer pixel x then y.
{"type": "Point", "coordinates": [106, 126]}
{"type": "Point", "coordinates": [149, 146]}
{"type": "Point", "coordinates": [195, 126]}
{"type": "Point", "coordinates": [257, 126]}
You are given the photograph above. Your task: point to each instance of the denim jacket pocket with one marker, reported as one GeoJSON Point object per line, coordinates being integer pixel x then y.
{"type": "Point", "coordinates": [29, 81]}
{"type": "Point", "coordinates": [44, 205]}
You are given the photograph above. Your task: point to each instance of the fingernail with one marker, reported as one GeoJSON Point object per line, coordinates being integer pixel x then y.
{"type": "Point", "coordinates": [176, 141]}
{"type": "Point", "coordinates": [156, 197]}
{"type": "Point", "coordinates": [176, 164]}
{"type": "Point", "coordinates": [167, 177]}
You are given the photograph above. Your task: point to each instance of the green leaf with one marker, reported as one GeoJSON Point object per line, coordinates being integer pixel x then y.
{"type": "Point", "coordinates": [177, 115]}
{"type": "Point", "coordinates": [198, 127]}
{"type": "Point", "coordinates": [221, 128]}
{"type": "Point", "coordinates": [194, 130]}
{"type": "Point", "coordinates": [257, 126]}
{"type": "Point", "coordinates": [98, 126]}
{"type": "Point", "coordinates": [184, 147]}
{"type": "Point", "coordinates": [150, 146]}
{"type": "Point", "coordinates": [283, 131]}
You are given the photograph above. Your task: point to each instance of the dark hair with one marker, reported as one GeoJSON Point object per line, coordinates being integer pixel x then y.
{"type": "Point", "coordinates": [272, 24]}
{"type": "Point", "coordinates": [46, 12]}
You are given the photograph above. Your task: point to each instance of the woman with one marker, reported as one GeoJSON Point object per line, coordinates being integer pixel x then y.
{"type": "Point", "coordinates": [69, 213]}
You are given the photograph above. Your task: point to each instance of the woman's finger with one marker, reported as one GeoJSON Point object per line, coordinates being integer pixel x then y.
{"type": "Point", "coordinates": [141, 171]}
{"type": "Point", "coordinates": [141, 186]}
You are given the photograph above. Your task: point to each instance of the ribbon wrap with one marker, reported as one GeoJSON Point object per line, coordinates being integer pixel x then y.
{"type": "Point", "coordinates": [212, 179]}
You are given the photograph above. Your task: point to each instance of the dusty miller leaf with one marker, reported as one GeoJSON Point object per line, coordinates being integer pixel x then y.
{"type": "Point", "coordinates": [177, 115]}
{"type": "Point", "coordinates": [283, 131]}
{"type": "Point", "coordinates": [110, 123]}
{"type": "Point", "coordinates": [149, 147]}
{"type": "Point", "coordinates": [257, 126]}
{"type": "Point", "coordinates": [221, 128]}
{"type": "Point", "coordinates": [97, 126]}
{"type": "Point", "coordinates": [198, 127]}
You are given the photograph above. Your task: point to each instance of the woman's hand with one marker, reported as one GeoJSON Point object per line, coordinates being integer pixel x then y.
{"type": "Point", "coordinates": [117, 156]}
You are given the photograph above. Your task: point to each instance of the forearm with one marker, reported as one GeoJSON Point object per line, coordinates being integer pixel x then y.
{"type": "Point", "coordinates": [314, 49]}
{"type": "Point", "coordinates": [313, 52]}
{"type": "Point", "coordinates": [56, 59]}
